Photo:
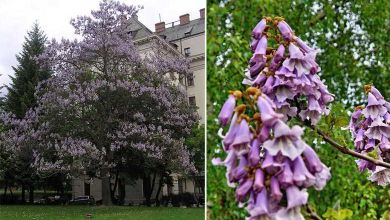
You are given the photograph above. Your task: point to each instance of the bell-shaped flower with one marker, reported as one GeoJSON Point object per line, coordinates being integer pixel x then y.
{"type": "Point", "coordinates": [377, 129]}
{"type": "Point", "coordinates": [269, 164]}
{"type": "Point", "coordinates": [296, 197]}
{"type": "Point", "coordinates": [258, 185]}
{"type": "Point", "coordinates": [288, 214]}
{"type": "Point", "coordinates": [254, 153]}
{"type": "Point", "coordinates": [302, 176]}
{"type": "Point", "coordinates": [374, 108]}
{"type": "Point", "coordinates": [381, 176]}
{"type": "Point", "coordinates": [322, 178]}
{"type": "Point", "coordinates": [287, 141]}
{"type": "Point", "coordinates": [268, 115]}
{"type": "Point", "coordinates": [297, 61]}
{"type": "Point", "coordinates": [261, 206]}
{"type": "Point", "coordinates": [231, 134]}
{"type": "Point", "coordinates": [285, 30]}
{"type": "Point", "coordinates": [240, 171]}
{"type": "Point", "coordinates": [278, 57]}
{"type": "Point", "coordinates": [364, 164]}
{"type": "Point", "coordinates": [227, 110]}
{"type": "Point", "coordinates": [313, 162]}
{"type": "Point", "coordinates": [286, 176]}
{"type": "Point", "coordinates": [243, 189]}
{"type": "Point", "coordinates": [276, 194]}
{"type": "Point", "coordinates": [259, 28]}
{"type": "Point", "coordinates": [242, 138]}
{"type": "Point", "coordinates": [313, 111]}
{"type": "Point", "coordinates": [384, 144]}
{"type": "Point", "coordinates": [283, 90]}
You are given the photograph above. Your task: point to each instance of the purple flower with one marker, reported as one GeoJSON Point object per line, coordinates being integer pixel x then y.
{"type": "Point", "coordinates": [276, 194]}
{"type": "Point", "coordinates": [227, 110]}
{"type": "Point", "coordinates": [258, 30]}
{"type": "Point", "coordinates": [297, 61]}
{"type": "Point", "coordinates": [254, 153]}
{"type": "Point", "coordinates": [287, 141]}
{"type": "Point", "coordinates": [302, 176]}
{"type": "Point", "coordinates": [283, 90]}
{"type": "Point", "coordinates": [230, 135]}
{"type": "Point", "coordinates": [286, 176]}
{"type": "Point", "coordinates": [243, 189]}
{"type": "Point", "coordinates": [374, 108]}
{"type": "Point", "coordinates": [322, 178]}
{"type": "Point", "coordinates": [268, 115]}
{"type": "Point", "coordinates": [259, 180]}
{"type": "Point", "coordinates": [278, 57]}
{"type": "Point", "coordinates": [313, 111]}
{"type": "Point", "coordinates": [381, 175]}
{"type": "Point", "coordinates": [303, 46]}
{"type": "Point", "coordinates": [261, 206]}
{"type": "Point", "coordinates": [242, 138]}
{"type": "Point", "coordinates": [240, 171]}
{"type": "Point", "coordinates": [312, 160]}
{"type": "Point", "coordinates": [285, 30]}
{"type": "Point", "coordinates": [377, 129]}
{"type": "Point", "coordinates": [296, 197]}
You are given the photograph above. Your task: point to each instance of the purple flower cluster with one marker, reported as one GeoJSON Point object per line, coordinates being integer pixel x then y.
{"type": "Point", "coordinates": [267, 161]}
{"type": "Point", "coordinates": [370, 128]}
{"type": "Point", "coordinates": [288, 72]}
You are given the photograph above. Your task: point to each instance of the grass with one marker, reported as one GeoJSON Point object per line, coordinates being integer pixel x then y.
{"type": "Point", "coordinates": [25, 212]}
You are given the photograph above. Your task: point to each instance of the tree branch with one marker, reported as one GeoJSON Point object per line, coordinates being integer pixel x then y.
{"type": "Point", "coordinates": [344, 149]}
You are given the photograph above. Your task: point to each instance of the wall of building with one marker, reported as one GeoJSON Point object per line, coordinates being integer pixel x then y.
{"type": "Point", "coordinates": [196, 44]}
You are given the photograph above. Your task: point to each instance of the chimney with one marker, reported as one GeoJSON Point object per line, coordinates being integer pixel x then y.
{"type": "Point", "coordinates": [184, 19]}
{"type": "Point", "coordinates": [159, 27]}
{"type": "Point", "coordinates": [201, 11]}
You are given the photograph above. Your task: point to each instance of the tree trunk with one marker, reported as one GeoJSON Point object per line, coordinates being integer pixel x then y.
{"type": "Point", "coordinates": [31, 193]}
{"type": "Point", "coordinates": [148, 187]}
{"type": "Point", "coordinates": [106, 187]}
{"type": "Point", "coordinates": [160, 185]}
{"type": "Point", "coordinates": [5, 189]}
{"type": "Point", "coordinates": [23, 193]}
{"type": "Point", "coordinates": [112, 191]}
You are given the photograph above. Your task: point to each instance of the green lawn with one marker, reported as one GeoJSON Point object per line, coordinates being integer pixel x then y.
{"type": "Point", "coordinates": [24, 212]}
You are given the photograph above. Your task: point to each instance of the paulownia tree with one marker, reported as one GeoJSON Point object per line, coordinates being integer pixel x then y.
{"type": "Point", "coordinates": [106, 103]}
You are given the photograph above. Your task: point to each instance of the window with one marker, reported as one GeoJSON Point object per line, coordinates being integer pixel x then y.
{"type": "Point", "coordinates": [190, 79]}
{"type": "Point", "coordinates": [187, 51]}
{"type": "Point", "coordinates": [192, 101]}
{"type": "Point", "coordinates": [188, 32]}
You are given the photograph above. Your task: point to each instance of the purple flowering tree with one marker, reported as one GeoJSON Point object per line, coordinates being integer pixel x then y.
{"type": "Point", "coordinates": [106, 103]}
{"type": "Point", "coordinates": [268, 163]}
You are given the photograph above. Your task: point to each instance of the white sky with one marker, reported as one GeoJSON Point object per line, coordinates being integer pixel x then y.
{"type": "Point", "coordinates": [18, 16]}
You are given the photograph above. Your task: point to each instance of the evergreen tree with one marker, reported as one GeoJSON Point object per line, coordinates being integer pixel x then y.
{"type": "Point", "coordinates": [20, 95]}
{"type": "Point", "coordinates": [20, 99]}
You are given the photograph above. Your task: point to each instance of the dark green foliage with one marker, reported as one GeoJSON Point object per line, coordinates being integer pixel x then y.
{"type": "Point", "coordinates": [20, 95]}
{"type": "Point", "coordinates": [347, 64]}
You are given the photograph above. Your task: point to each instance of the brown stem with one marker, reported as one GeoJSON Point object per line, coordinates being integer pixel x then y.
{"type": "Point", "coordinates": [346, 150]}
{"type": "Point", "coordinates": [312, 213]}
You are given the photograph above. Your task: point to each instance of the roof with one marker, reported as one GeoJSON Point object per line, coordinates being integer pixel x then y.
{"type": "Point", "coordinates": [138, 30]}
{"type": "Point", "coordinates": [142, 34]}
{"type": "Point", "coordinates": [179, 31]}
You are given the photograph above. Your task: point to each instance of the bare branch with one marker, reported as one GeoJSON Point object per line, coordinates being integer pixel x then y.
{"type": "Point", "coordinates": [344, 149]}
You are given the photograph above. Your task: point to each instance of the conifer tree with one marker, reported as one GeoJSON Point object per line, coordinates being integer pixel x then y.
{"type": "Point", "coordinates": [21, 97]}
{"type": "Point", "coordinates": [28, 74]}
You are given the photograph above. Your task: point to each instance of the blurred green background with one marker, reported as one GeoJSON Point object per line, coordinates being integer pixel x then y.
{"type": "Point", "coordinates": [355, 50]}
